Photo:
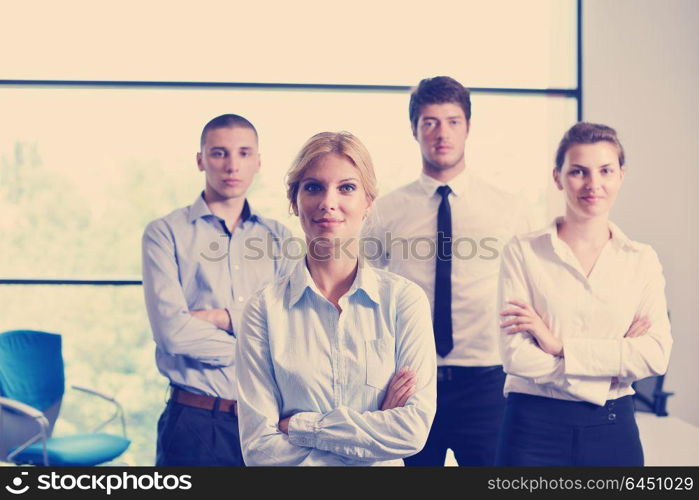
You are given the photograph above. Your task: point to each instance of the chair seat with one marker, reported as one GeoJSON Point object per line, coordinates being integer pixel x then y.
{"type": "Point", "coordinates": [75, 450]}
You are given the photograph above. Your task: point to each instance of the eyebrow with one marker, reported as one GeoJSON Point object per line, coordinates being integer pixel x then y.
{"type": "Point", "coordinates": [575, 165]}
{"type": "Point", "coordinates": [453, 117]}
{"type": "Point", "coordinates": [316, 180]}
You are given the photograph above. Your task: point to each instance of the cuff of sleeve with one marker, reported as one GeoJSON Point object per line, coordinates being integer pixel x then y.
{"type": "Point", "coordinates": [592, 358]}
{"type": "Point", "coordinates": [303, 428]}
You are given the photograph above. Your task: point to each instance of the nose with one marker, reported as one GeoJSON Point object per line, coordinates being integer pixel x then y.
{"type": "Point", "coordinates": [328, 201]}
{"type": "Point", "coordinates": [441, 131]}
{"type": "Point", "coordinates": [231, 165]}
{"type": "Point", "coordinates": [593, 181]}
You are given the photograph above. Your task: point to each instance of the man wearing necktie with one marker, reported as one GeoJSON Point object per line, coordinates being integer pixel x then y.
{"type": "Point", "coordinates": [445, 231]}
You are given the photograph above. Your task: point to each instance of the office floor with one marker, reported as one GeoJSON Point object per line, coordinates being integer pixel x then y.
{"type": "Point", "coordinates": [666, 441]}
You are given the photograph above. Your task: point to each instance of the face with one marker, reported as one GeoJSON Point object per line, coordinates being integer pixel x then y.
{"type": "Point", "coordinates": [231, 160]}
{"type": "Point", "coordinates": [332, 202]}
{"type": "Point", "coordinates": [590, 178]}
{"type": "Point", "coordinates": [441, 132]}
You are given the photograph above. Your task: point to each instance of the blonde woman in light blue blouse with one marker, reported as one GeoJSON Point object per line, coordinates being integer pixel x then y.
{"type": "Point", "coordinates": [336, 361]}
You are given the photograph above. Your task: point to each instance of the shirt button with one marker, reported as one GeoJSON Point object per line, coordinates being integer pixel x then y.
{"type": "Point", "coordinates": [240, 299]}
{"type": "Point", "coordinates": [611, 417]}
{"type": "Point", "coordinates": [236, 267]}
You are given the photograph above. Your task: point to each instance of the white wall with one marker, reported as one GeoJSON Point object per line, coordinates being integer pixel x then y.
{"type": "Point", "coordinates": [640, 75]}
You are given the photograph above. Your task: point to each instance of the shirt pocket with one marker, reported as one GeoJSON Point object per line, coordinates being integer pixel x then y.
{"type": "Point", "coordinates": [380, 362]}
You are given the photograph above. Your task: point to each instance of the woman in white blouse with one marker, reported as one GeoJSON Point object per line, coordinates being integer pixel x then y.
{"type": "Point", "coordinates": [584, 315]}
{"type": "Point", "coordinates": [336, 361]}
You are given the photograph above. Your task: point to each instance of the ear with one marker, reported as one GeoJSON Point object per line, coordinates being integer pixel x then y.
{"type": "Point", "coordinates": [557, 179]}
{"type": "Point", "coordinates": [199, 162]}
{"type": "Point", "coordinates": [259, 162]}
{"type": "Point", "coordinates": [369, 205]}
{"type": "Point", "coordinates": [414, 130]}
{"type": "Point", "coordinates": [468, 128]}
{"type": "Point", "coordinates": [622, 171]}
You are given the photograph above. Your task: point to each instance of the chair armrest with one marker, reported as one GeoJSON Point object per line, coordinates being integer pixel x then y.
{"type": "Point", "coordinates": [40, 419]}
{"type": "Point", "coordinates": [93, 392]}
{"type": "Point", "coordinates": [20, 407]}
{"type": "Point", "coordinates": [119, 412]}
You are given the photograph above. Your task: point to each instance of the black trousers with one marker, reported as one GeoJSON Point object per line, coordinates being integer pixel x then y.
{"type": "Point", "coordinates": [192, 436]}
{"type": "Point", "coordinates": [470, 406]}
{"type": "Point", "coordinates": [540, 431]}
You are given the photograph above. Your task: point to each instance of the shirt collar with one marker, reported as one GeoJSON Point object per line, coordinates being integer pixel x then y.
{"type": "Point", "coordinates": [457, 184]}
{"type": "Point", "coordinates": [300, 279]}
{"type": "Point", "coordinates": [200, 209]}
{"type": "Point", "coordinates": [618, 239]}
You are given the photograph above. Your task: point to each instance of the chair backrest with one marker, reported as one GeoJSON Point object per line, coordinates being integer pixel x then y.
{"type": "Point", "coordinates": [31, 371]}
{"type": "Point", "coordinates": [31, 367]}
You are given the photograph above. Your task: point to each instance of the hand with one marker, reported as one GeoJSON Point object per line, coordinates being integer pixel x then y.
{"type": "Point", "coordinates": [639, 327]}
{"type": "Point", "coordinates": [400, 388]}
{"type": "Point", "coordinates": [527, 320]}
{"type": "Point", "coordinates": [284, 425]}
{"type": "Point", "coordinates": [217, 317]}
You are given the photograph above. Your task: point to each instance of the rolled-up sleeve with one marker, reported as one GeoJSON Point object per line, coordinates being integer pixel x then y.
{"type": "Point", "coordinates": [175, 330]}
{"type": "Point", "coordinates": [390, 434]}
{"type": "Point", "coordinates": [629, 358]}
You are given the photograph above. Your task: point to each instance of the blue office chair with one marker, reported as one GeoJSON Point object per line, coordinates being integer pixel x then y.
{"type": "Point", "coordinates": [32, 385]}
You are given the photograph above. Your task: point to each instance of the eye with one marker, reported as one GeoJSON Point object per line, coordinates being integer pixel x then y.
{"type": "Point", "coordinates": [218, 154]}
{"type": "Point", "coordinates": [607, 170]}
{"type": "Point", "coordinates": [428, 123]}
{"type": "Point", "coordinates": [312, 187]}
{"type": "Point", "coordinates": [348, 188]}
{"type": "Point", "coordinates": [575, 172]}
{"type": "Point", "coordinates": [244, 154]}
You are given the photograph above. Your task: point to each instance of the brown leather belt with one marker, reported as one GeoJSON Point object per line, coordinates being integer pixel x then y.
{"type": "Point", "coordinates": [204, 402]}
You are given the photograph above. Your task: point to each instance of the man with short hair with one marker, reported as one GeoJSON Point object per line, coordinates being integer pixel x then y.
{"type": "Point", "coordinates": [445, 231]}
{"type": "Point", "coordinates": [196, 279]}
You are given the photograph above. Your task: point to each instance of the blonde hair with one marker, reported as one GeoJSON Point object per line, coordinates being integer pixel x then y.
{"type": "Point", "coordinates": [341, 143]}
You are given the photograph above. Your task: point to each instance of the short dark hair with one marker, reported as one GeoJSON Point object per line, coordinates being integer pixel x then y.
{"type": "Point", "coordinates": [438, 90]}
{"type": "Point", "coordinates": [587, 133]}
{"type": "Point", "coordinates": [225, 121]}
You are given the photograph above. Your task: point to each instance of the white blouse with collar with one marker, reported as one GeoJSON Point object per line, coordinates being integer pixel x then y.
{"type": "Point", "coordinates": [589, 314]}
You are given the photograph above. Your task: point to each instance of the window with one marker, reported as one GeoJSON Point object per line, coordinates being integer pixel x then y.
{"type": "Point", "coordinates": [85, 165]}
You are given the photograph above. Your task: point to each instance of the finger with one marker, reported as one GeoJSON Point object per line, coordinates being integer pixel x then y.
{"type": "Point", "coordinates": [513, 312]}
{"type": "Point", "coordinates": [643, 330]}
{"type": "Point", "coordinates": [403, 391]}
{"type": "Point", "coordinates": [404, 379]}
{"type": "Point", "coordinates": [397, 381]}
{"type": "Point", "coordinates": [404, 399]}
{"type": "Point", "coordinates": [638, 328]}
{"type": "Point", "coordinates": [524, 328]}
{"type": "Point", "coordinates": [518, 303]}
{"type": "Point", "coordinates": [402, 372]}
{"type": "Point", "coordinates": [520, 320]}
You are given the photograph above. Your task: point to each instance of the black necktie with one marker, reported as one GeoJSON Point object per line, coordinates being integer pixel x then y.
{"type": "Point", "coordinates": [442, 281]}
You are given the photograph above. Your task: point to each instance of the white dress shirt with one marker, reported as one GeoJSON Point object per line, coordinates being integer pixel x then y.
{"type": "Point", "coordinates": [400, 235]}
{"type": "Point", "coordinates": [590, 315]}
{"type": "Point", "coordinates": [297, 355]}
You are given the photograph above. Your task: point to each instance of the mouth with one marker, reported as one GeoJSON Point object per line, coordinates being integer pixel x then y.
{"type": "Point", "coordinates": [232, 182]}
{"type": "Point", "coordinates": [327, 222]}
{"type": "Point", "coordinates": [442, 148]}
{"type": "Point", "coordinates": [591, 199]}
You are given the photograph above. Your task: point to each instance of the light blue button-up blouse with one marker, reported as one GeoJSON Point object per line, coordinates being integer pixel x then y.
{"type": "Point", "coordinates": [297, 355]}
